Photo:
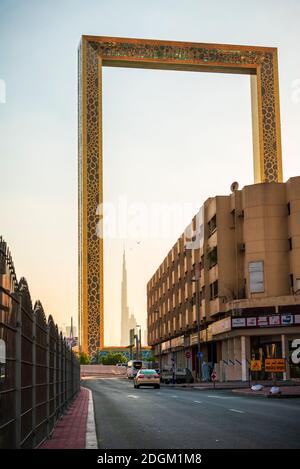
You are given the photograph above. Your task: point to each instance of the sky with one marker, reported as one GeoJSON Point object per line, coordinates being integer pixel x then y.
{"type": "Point", "coordinates": [170, 138]}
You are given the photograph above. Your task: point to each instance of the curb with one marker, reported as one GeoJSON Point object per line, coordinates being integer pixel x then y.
{"type": "Point", "coordinates": [91, 436]}
{"type": "Point", "coordinates": [269, 396]}
{"type": "Point", "coordinates": [197, 388]}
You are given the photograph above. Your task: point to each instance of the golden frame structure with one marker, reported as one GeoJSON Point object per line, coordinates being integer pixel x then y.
{"type": "Point", "coordinates": [94, 53]}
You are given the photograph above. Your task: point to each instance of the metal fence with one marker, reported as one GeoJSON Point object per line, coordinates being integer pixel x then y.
{"type": "Point", "coordinates": [39, 374]}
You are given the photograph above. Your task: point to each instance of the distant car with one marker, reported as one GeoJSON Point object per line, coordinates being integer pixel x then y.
{"type": "Point", "coordinates": [121, 364]}
{"type": "Point", "coordinates": [133, 367]}
{"type": "Point", "coordinates": [147, 378]}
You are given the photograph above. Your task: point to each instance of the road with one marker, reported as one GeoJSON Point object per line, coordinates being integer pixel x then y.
{"type": "Point", "coordinates": [180, 418]}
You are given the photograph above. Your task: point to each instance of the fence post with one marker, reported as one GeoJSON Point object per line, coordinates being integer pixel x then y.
{"type": "Point", "coordinates": [18, 374]}
{"type": "Point", "coordinates": [64, 374]}
{"type": "Point", "coordinates": [34, 381]}
{"type": "Point", "coordinates": [54, 379]}
{"type": "Point", "coordinates": [59, 375]}
{"type": "Point", "coordinates": [48, 377]}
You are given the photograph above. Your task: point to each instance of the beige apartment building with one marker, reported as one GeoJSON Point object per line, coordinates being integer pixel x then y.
{"type": "Point", "coordinates": [230, 286]}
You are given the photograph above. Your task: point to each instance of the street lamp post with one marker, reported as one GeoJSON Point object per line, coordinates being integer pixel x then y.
{"type": "Point", "coordinates": [196, 280]}
{"type": "Point", "coordinates": [139, 343]}
{"type": "Point", "coordinates": [159, 329]}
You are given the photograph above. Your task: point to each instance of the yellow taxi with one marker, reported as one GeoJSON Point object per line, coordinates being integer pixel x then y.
{"type": "Point", "coordinates": [147, 378]}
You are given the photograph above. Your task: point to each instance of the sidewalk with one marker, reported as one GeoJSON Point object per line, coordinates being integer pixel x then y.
{"type": "Point", "coordinates": [76, 429]}
{"type": "Point", "coordinates": [285, 391]}
{"type": "Point", "coordinates": [287, 388]}
{"type": "Point", "coordinates": [208, 385]}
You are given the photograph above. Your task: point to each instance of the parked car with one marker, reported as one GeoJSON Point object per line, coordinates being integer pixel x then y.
{"type": "Point", "coordinates": [181, 375]}
{"type": "Point", "coordinates": [121, 364]}
{"type": "Point", "coordinates": [146, 378]}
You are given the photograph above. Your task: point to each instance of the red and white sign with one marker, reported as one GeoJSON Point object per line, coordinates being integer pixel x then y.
{"type": "Point", "coordinates": [262, 321]}
{"type": "Point", "coordinates": [251, 322]}
{"type": "Point", "coordinates": [213, 376]}
{"type": "Point", "coordinates": [274, 320]}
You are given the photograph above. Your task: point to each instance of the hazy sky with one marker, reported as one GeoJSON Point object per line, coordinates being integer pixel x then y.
{"type": "Point", "coordinates": [169, 137]}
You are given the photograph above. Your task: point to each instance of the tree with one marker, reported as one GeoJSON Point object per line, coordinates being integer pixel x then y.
{"type": "Point", "coordinates": [113, 359]}
{"type": "Point", "coordinates": [149, 358]}
{"type": "Point", "coordinates": [84, 359]}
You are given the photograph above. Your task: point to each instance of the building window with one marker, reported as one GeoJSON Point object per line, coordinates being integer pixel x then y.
{"type": "Point", "coordinates": [290, 244]}
{"type": "Point", "coordinates": [212, 225]}
{"type": "Point", "coordinates": [288, 205]}
{"type": "Point", "coordinates": [233, 218]}
{"type": "Point", "coordinates": [291, 281]}
{"type": "Point", "coordinates": [214, 290]}
{"type": "Point", "coordinates": [212, 257]}
{"type": "Point", "coordinates": [256, 274]}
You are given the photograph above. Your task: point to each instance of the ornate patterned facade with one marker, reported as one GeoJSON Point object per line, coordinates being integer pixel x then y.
{"type": "Point", "coordinates": [259, 62]}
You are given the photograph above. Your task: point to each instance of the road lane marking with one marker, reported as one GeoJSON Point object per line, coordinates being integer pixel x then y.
{"type": "Point", "coordinates": [198, 402]}
{"type": "Point", "coordinates": [220, 397]}
{"type": "Point", "coordinates": [175, 397]}
{"type": "Point", "coordinates": [133, 396]}
{"type": "Point", "coordinates": [235, 410]}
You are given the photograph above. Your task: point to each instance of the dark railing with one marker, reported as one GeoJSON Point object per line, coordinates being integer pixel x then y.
{"type": "Point", "coordinates": [39, 374]}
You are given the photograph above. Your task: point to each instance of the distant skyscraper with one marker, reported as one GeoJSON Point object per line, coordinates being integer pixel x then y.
{"type": "Point", "coordinates": [128, 320]}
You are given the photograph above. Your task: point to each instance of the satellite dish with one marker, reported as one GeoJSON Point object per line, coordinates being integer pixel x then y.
{"type": "Point", "coordinates": [234, 186]}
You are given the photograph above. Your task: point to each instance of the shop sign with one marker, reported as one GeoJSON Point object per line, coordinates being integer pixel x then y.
{"type": "Point", "coordinates": [209, 333]}
{"type": "Point", "coordinates": [295, 356]}
{"type": "Point", "coordinates": [194, 339]}
{"type": "Point", "coordinates": [177, 341]}
{"type": "Point", "coordinates": [205, 336]}
{"type": "Point", "coordinates": [275, 365]}
{"type": "Point", "coordinates": [238, 322]}
{"type": "Point", "coordinates": [221, 326]}
{"type": "Point", "coordinates": [165, 345]}
{"type": "Point", "coordinates": [274, 320]}
{"type": "Point", "coordinates": [251, 322]}
{"type": "Point", "coordinates": [266, 321]}
{"type": "Point", "coordinates": [287, 319]}
{"type": "Point", "coordinates": [255, 365]}
{"type": "Point", "coordinates": [262, 321]}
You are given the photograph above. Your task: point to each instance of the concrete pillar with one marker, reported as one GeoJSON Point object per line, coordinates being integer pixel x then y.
{"type": "Point", "coordinates": [245, 355]}
{"type": "Point", "coordinates": [237, 359]}
{"type": "Point", "coordinates": [231, 364]}
{"type": "Point", "coordinates": [224, 358]}
{"type": "Point", "coordinates": [285, 354]}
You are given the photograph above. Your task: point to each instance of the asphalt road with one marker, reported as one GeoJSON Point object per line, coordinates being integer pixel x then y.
{"type": "Point", "coordinates": [180, 418]}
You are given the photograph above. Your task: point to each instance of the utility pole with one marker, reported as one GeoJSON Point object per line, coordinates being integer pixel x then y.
{"type": "Point", "coordinates": [196, 279]}
{"type": "Point", "coordinates": [139, 343]}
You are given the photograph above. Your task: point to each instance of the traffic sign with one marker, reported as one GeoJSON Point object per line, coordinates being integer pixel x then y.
{"type": "Point", "coordinates": [255, 365]}
{"type": "Point", "coordinates": [199, 354]}
{"type": "Point", "coordinates": [188, 354]}
{"type": "Point", "coordinates": [213, 376]}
